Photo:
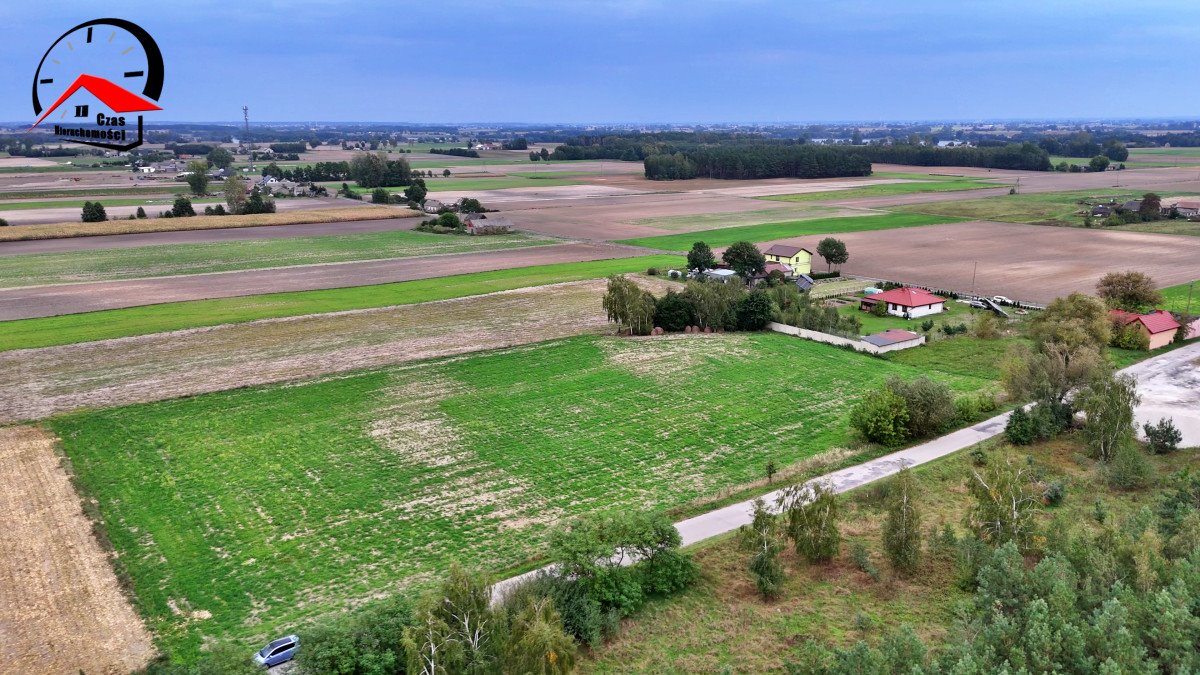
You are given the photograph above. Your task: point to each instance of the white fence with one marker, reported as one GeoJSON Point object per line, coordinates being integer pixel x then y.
{"type": "Point", "coordinates": [857, 345]}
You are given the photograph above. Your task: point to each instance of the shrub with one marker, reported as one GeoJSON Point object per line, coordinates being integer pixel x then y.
{"type": "Point", "coordinates": [667, 572]}
{"type": "Point", "coordinates": [979, 457]}
{"type": "Point", "coordinates": [1129, 337]}
{"type": "Point", "coordinates": [1162, 437]}
{"type": "Point", "coordinates": [182, 208]}
{"type": "Point", "coordinates": [753, 310]}
{"type": "Point", "coordinates": [141, 213]}
{"type": "Point", "coordinates": [93, 212]}
{"type": "Point", "coordinates": [987, 327]}
{"type": "Point", "coordinates": [970, 552]}
{"type": "Point", "coordinates": [537, 642]}
{"type": "Point", "coordinates": [368, 639]}
{"type": "Point", "coordinates": [879, 309]}
{"type": "Point", "coordinates": [380, 196]}
{"type": "Point", "coordinates": [926, 325]}
{"type": "Point", "coordinates": [881, 417]}
{"type": "Point", "coordinates": [858, 553]}
{"type": "Point", "coordinates": [1128, 468]}
{"type": "Point", "coordinates": [763, 538]}
{"type": "Point", "coordinates": [1054, 494]}
{"type": "Point", "coordinates": [966, 408]}
{"type": "Point", "coordinates": [3, 222]}
{"type": "Point", "coordinates": [930, 404]}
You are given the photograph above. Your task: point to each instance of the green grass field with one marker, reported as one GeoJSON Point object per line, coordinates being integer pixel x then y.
{"type": "Point", "coordinates": [889, 189]}
{"type": "Point", "coordinates": [78, 203]}
{"type": "Point", "coordinates": [796, 228]}
{"type": "Point", "coordinates": [1165, 152]}
{"type": "Point", "coordinates": [130, 192]}
{"type": "Point", "coordinates": [244, 514]}
{"type": "Point", "coordinates": [169, 260]}
{"type": "Point", "coordinates": [1176, 297]}
{"type": "Point", "coordinates": [115, 323]}
{"type": "Point", "coordinates": [1052, 208]}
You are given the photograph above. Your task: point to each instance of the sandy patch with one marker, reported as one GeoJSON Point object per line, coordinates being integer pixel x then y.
{"type": "Point", "coordinates": [61, 608]}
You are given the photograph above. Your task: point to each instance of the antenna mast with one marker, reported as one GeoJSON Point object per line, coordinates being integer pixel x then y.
{"type": "Point", "coordinates": [249, 147]}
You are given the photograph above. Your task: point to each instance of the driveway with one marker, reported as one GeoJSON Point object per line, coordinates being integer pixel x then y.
{"type": "Point", "coordinates": [1170, 387]}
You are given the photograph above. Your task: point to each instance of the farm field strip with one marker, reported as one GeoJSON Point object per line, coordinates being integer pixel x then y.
{"type": "Point", "coordinates": [132, 321]}
{"type": "Point", "coordinates": [500, 182]}
{"type": "Point", "coordinates": [363, 466]}
{"type": "Point", "coordinates": [770, 231]}
{"type": "Point", "coordinates": [154, 191]}
{"type": "Point", "coordinates": [177, 259]}
{"type": "Point", "coordinates": [78, 203]}
{"type": "Point", "coordinates": [38, 383]}
{"type": "Point", "coordinates": [888, 189]}
{"type": "Point", "coordinates": [1051, 208]}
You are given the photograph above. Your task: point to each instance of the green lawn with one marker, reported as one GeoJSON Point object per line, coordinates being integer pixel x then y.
{"type": "Point", "coordinates": [169, 260]}
{"type": "Point", "coordinates": [956, 313]}
{"type": "Point", "coordinates": [245, 514]}
{"type": "Point", "coordinates": [1176, 297]}
{"type": "Point", "coordinates": [78, 203]}
{"type": "Point", "coordinates": [115, 323]}
{"type": "Point", "coordinates": [1165, 152]}
{"type": "Point", "coordinates": [888, 189]}
{"type": "Point", "coordinates": [796, 228]}
{"type": "Point", "coordinates": [133, 189]}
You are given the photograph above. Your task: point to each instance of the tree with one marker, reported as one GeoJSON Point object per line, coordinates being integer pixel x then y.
{"type": "Point", "coordinates": [764, 540]}
{"type": "Point", "coordinates": [1109, 401]}
{"type": "Point", "coordinates": [1049, 375]}
{"type": "Point", "coordinates": [380, 196]}
{"type": "Point", "coordinates": [1075, 320]}
{"type": "Point", "coordinates": [1131, 290]}
{"type": "Point", "coordinates": [93, 212]}
{"type": "Point", "coordinates": [257, 202]}
{"type": "Point", "coordinates": [753, 310]}
{"type": "Point", "coordinates": [928, 404]}
{"type": "Point", "coordinates": [456, 630]}
{"type": "Point", "coordinates": [1098, 163]}
{"type": "Point", "coordinates": [627, 305]}
{"type": "Point", "coordinates": [470, 205]}
{"type": "Point", "coordinates": [235, 194]}
{"type": "Point", "coordinates": [445, 173]}
{"type": "Point", "coordinates": [197, 177]}
{"type": "Point", "coordinates": [1004, 509]}
{"type": "Point", "coordinates": [1115, 150]}
{"type": "Point", "coordinates": [674, 312]}
{"type": "Point", "coordinates": [812, 520]}
{"type": "Point", "coordinates": [141, 213]}
{"type": "Point", "coordinates": [182, 208]}
{"type": "Point", "coordinates": [744, 258]}
{"type": "Point", "coordinates": [833, 251]}
{"type": "Point", "coordinates": [902, 529]}
{"type": "Point", "coordinates": [701, 257]}
{"type": "Point", "coordinates": [220, 158]}
{"type": "Point", "coordinates": [1151, 207]}
{"type": "Point", "coordinates": [537, 642]}
{"type": "Point", "coordinates": [416, 193]}
{"type": "Point", "coordinates": [450, 221]}
{"type": "Point", "coordinates": [1162, 437]}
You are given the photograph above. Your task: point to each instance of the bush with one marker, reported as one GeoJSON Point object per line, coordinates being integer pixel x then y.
{"type": "Point", "coordinates": [93, 212]}
{"type": "Point", "coordinates": [881, 417]}
{"type": "Point", "coordinates": [370, 640]}
{"type": "Point", "coordinates": [667, 572]}
{"type": "Point", "coordinates": [879, 309]}
{"type": "Point", "coordinates": [824, 275]}
{"type": "Point", "coordinates": [141, 213]}
{"type": "Point", "coordinates": [987, 327]}
{"type": "Point", "coordinates": [970, 553]}
{"type": "Point", "coordinates": [926, 325]}
{"type": "Point", "coordinates": [858, 553]}
{"type": "Point", "coordinates": [979, 457]}
{"type": "Point", "coordinates": [966, 408]}
{"type": "Point", "coordinates": [182, 208]}
{"type": "Point", "coordinates": [1162, 437]}
{"type": "Point", "coordinates": [812, 521]}
{"type": "Point", "coordinates": [380, 196]}
{"type": "Point", "coordinates": [1044, 421]}
{"type": "Point", "coordinates": [753, 310]}
{"type": "Point", "coordinates": [674, 312]}
{"type": "Point", "coordinates": [1129, 469]}
{"type": "Point", "coordinates": [3, 222]}
{"type": "Point", "coordinates": [1054, 494]}
{"type": "Point", "coordinates": [762, 538]}
{"type": "Point", "coordinates": [929, 403]}
{"type": "Point", "coordinates": [1129, 337]}
{"type": "Point", "coordinates": [652, 271]}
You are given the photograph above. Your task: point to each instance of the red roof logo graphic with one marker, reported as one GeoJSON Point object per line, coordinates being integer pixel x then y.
{"type": "Point", "coordinates": [117, 99]}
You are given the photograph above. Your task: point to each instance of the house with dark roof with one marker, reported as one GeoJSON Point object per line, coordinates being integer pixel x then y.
{"type": "Point", "coordinates": [783, 269]}
{"type": "Point", "coordinates": [797, 258]}
{"type": "Point", "coordinates": [489, 225]}
{"type": "Point", "coordinates": [906, 302]}
{"type": "Point", "coordinates": [1158, 326]}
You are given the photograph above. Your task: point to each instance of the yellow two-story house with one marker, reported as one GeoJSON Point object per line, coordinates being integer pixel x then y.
{"type": "Point", "coordinates": [799, 259]}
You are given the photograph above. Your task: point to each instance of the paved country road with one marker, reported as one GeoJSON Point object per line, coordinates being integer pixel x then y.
{"type": "Point", "coordinates": [39, 301]}
{"type": "Point", "coordinates": [1159, 373]}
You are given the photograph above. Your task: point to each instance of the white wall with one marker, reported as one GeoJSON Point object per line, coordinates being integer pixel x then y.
{"type": "Point", "coordinates": [918, 312]}
{"type": "Point", "coordinates": [840, 341]}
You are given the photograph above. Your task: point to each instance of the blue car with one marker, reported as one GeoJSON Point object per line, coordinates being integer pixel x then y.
{"type": "Point", "coordinates": [279, 651]}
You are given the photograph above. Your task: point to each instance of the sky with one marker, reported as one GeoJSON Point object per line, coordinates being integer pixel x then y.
{"type": "Point", "coordinates": [644, 61]}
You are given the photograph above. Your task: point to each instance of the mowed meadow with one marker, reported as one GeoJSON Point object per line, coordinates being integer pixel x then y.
{"type": "Point", "coordinates": [246, 514]}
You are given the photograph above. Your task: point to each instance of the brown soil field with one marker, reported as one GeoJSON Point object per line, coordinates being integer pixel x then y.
{"type": "Point", "coordinates": [36, 301]}
{"type": "Point", "coordinates": [1025, 262]}
{"type": "Point", "coordinates": [318, 211]}
{"type": "Point", "coordinates": [61, 607]}
{"type": "Point", "coordinates": [35, 383]}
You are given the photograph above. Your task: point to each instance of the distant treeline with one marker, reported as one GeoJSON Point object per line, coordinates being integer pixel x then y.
{"type": "Point", "coordinates": [289, 147]}
{"type": "Point", "coordinates": [457, 152]}
{"type": "Point", "coordinates": [520, 143]}
{"type": "Point", "coordinates": [1026, 156]}
{"type": "Point", "coordinates": [757, 161]}
{"type": "Point", "coordinates": [190, 148]}
{"type": "Point", "coordinates": [307, 174]}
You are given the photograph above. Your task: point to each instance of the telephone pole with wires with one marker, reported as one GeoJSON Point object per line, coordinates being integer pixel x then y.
{"type": "Point", "coordinates": [249, 147]}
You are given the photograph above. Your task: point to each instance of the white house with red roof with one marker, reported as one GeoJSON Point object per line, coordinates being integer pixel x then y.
{"type": "Point", "coordinates": [1159, 326]}
{"type": "Point", "coordinates": [906, 302]}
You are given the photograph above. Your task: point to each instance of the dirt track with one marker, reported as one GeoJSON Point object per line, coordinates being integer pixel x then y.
{"type": "Point", "coordinates": [1025, 262]}
{"type": "Point", "coordinates": [35, 383]}
{"type": "Point", "coordinates": [61, 609]}
{"type": "Point", "coordinates": [36, 301]}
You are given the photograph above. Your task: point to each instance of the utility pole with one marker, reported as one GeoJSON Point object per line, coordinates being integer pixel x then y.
{"type": "Point", "coordinates": [249, 147]}
{"type": "Point", "coordinates": [973, 271]}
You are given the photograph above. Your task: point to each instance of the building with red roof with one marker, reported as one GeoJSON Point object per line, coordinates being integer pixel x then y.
{"type": "Point", "coordinates": [1158, 326]}
{"type": "Point", "coordinates": [906, 302]}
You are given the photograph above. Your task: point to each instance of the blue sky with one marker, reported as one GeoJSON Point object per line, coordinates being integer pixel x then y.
{"type": "Point", "coordinates": [645, 60]}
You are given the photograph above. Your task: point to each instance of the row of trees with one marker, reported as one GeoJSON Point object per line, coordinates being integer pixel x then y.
{"type": "Point", "coordinates": [756, 161]}
{"type": "Point", "coordinates": [456, 152]}
{"type": "Point", "coordinates": [1026, 156]}
{"type": "Point", "coordinates": [711, 306]}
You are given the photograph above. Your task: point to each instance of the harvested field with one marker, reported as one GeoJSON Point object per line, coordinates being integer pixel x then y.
{"type": "Point", "coordinates": [45, 301]}
{"type": "Point", "coordinates": [269, 508]}
{"type": "Point", "coordinates": [39, 382]}
{"type": "Point", "coordinates": [1024, 262]}
{"type": "Point", "coordinates": [316, 215]}
{"type": "Point", "coordinates": [61, 608]}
